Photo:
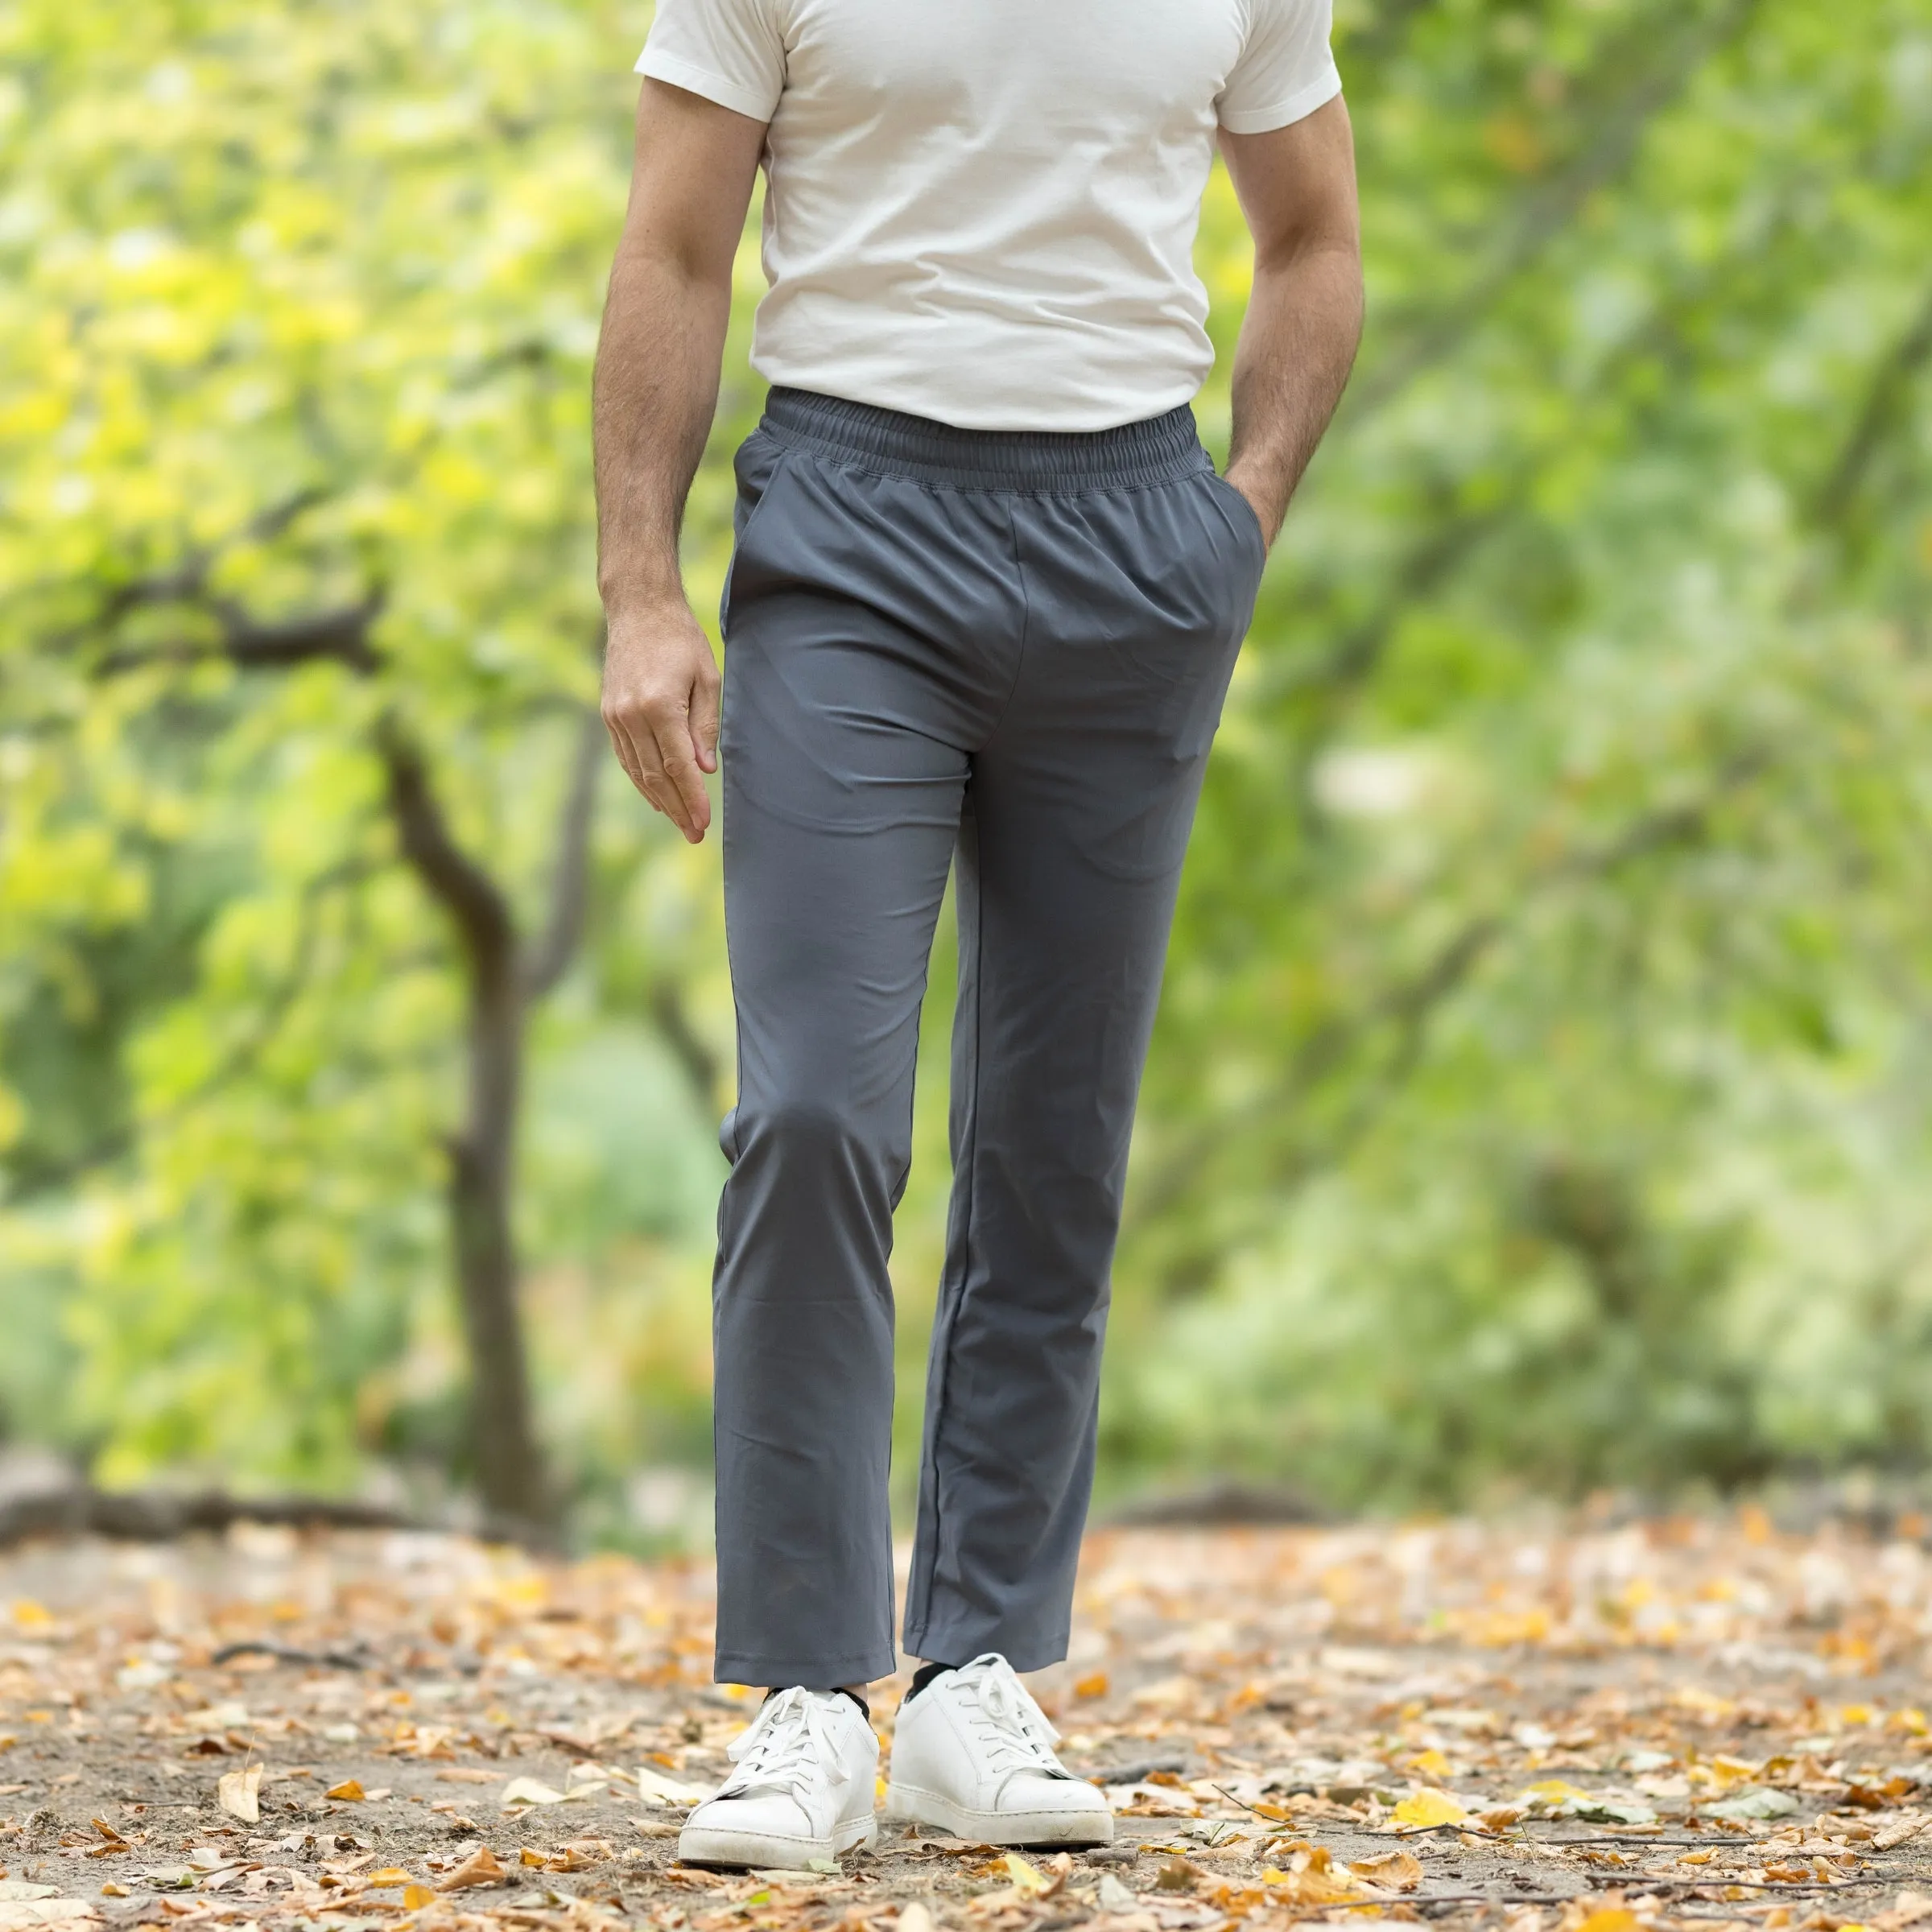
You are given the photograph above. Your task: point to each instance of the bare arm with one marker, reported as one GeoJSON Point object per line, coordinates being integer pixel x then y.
{"type": "Point", "coordinates": [656, 388]}
{"type": "Point", "coordinates": [1297, 188]}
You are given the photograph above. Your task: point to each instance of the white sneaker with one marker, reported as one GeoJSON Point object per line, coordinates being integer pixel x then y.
{"type": "Point", "coordinates": [804, 1787]}
{"type": "Point", "coordinates": [973, 1754]}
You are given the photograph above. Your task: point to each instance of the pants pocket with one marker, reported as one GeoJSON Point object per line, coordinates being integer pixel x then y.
{"type": "Point", "coordinates": [758, 465]}
{"type": "Point", "coordinates": [1248, 527]}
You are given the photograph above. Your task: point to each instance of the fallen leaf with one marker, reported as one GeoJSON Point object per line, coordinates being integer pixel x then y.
{"type": "Point", "coordinates": [239, 1794]}
{"type": "Point", "coordinates": [529, 1791]}
{"type": "Point", "coordinates": [654, 1788]}
{"type": "Point", "coordinates": [1025, 1877]}
{"type": "Point", "coordinates": [914, 1917]}
{"type": "Point", "coordinates": [1428, 1807]}
{"type": "Point", "coordinates": [1094, 1684]}
{"type": "Point", "coordinates": [1396, 1871]}
{"type": "Point", "coordinates": [481, 1868]}
{"type": "Point", "coordinates": [1310, 1887]}
{"type": "Point", "coordinates": [416, 1897]}
{"type": "Point", "coordinates": [1549, 1791]}
{"type": "Point", "coordinates": [467, 1774]}
{"type": "Point", "coordinates": [1760, 1802]}
{"type": "Point", "coordinates": [1610, 1918]}
{"type": "Point", "coordinates": [389, 1875]}
{"type": "Point", "coordinates": [348, 1791]}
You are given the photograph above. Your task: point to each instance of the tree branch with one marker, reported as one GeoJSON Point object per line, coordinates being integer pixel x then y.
{"type": "Point", "coordinates": [688, 1046]}
{"type": "Point", "coordinates": [340, 635]}
{"type": "Point", "coordinates": [1550, 209]}
{"type": "Point", "coordinates": [239, 1059]}
{"type": "Point", "coordinates": [466, 892]}
{"type": "Point", "coordinates": [1878, 416]}
{"type": "Point", "coordinates": [1441, 551]}
{"type": "Point", "coordinates": [569, 868]}
{"type": "Point", "coordinates": [1411, 1004]}
{"type": "Point", "coordinates": [188, 579]}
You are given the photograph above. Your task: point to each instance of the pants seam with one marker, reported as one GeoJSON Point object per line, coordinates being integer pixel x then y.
{"type": "Point", "coordinates": [1019, 664]}
{"type": "Point", "coordinates": [921, 1586]}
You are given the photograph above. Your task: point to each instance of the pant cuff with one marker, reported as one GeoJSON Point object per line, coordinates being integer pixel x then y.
{"type": "Point", "coordinates": [1022, 1653]}
{"type": "Point", "coordinates": [815, 1672]}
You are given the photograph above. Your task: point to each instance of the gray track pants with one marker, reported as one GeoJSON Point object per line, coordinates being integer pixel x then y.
{"type": "Point", "coordinates": [1004, 653]}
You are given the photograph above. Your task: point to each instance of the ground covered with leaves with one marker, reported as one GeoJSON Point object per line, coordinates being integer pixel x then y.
{"type": "Point", "coordinates": [1584, 1730]}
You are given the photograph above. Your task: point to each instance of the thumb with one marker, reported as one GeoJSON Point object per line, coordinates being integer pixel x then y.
{"type": "Point", "coordinates": [704, 718]}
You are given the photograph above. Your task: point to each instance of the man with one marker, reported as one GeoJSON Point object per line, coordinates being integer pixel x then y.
{"type": "Point", "coordinates": [985, 601]}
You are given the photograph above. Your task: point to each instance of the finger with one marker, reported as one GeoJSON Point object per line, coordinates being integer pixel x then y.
{"type": "Point", "coordinates": [654, 732]}
{"type": "Point", "coordinates": [675, 761]}
{"type": "Point", "coordinates": [663, 798]}
{"type": "Point", "coordinates": [704, 718]}
{"type": "Point", "coordinates": [627, 757]}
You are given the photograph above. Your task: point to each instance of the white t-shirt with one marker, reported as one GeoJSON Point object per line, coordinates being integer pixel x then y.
{"type": "Point", "coordinates": [984, 210]}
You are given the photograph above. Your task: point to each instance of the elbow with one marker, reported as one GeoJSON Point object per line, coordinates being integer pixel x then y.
{"type": "Point", "coordinates": [673, 261]}
{"type": "Point", "coordinates": [1330, 247]}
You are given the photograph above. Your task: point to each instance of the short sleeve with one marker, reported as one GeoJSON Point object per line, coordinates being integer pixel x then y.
{"type": "Point", "coordinates": [731, 52]}
{"type": "Point", "coordinates": [1285, 71]}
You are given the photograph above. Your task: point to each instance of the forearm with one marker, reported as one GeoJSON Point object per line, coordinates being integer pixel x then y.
{"type": "Point", "coordinates": [655, 390]}
{"type": "Point", "coordinates": [1298, 343]}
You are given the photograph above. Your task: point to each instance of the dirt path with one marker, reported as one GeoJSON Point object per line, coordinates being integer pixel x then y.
{"type": "Point", "coordinates": [1675, 1724]}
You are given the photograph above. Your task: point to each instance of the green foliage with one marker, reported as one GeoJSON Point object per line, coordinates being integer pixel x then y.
{"type": "Point", "coordinates": [1534, 1101]}
{"type": "Point", "coordinates": [1538, 1096]}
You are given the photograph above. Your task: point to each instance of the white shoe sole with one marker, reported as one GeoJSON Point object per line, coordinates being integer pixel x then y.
{"type": "Point", "coordinates": [910, 1805]}
{"type": "Point", "coordinates": [718, 1845]}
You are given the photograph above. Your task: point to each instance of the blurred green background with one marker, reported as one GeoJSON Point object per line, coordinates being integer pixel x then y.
{"type": "Point", "coordinates": [1542, 1096]}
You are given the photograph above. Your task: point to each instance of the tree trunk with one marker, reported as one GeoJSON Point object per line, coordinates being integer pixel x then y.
{"type": "Point", "coordinates": [509, 1468]}
{"type": "Point", "coordinates": [510, 1477]}
{"type": "Point", "coordinates": [502, 977]}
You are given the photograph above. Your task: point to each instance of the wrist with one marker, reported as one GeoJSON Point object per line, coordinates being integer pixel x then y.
{"type": "Point", "coordinates": [1266, 501]}
{"type": "Point", "coordinates": [625, 602]}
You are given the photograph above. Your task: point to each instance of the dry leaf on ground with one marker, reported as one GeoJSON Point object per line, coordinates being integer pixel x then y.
{"type": "Point", "coordinates": [239, 1794]}
{"type": "Point", "coordinates": [1394, 1871]}
{"type": "Point", "coordinates": [482, 1867]}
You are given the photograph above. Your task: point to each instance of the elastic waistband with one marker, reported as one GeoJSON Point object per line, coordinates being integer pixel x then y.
{"type": "Point", "coordinates": [1164, 449]}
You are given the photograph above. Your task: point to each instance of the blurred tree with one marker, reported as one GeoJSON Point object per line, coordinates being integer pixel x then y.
{"type": "Point", "coordinates": [300, 593]}
{"type": "Point", "coordinates": [1538, 1092]}
{"type": "Point", "coordinates": [1569, 819]}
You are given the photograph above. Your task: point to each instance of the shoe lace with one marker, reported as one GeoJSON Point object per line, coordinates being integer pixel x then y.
{"type": "Point", "coordinates": [788, 1747]}
{"type": "Point", "coordinates": [1011, 1729]}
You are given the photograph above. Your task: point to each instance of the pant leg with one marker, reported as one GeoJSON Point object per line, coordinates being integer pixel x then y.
{"type": "Point", "coordinates": [1079, 813]}
{"type": "Point", "coordinates": [854, 685]}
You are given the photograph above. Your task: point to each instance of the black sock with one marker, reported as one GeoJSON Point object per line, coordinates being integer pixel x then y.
{"type": "Point", "coordinates": [842, 1692]}
{"type": "Point", "coordinates": [922, 1677]}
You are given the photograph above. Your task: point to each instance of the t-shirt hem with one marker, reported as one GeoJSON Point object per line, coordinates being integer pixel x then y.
{"type": "Point", "coordinates": [699, 81]}
{"type": "Point", "coordinates": [1050, 408]}
{"type": "Point", "coordinates": [1284, 113]}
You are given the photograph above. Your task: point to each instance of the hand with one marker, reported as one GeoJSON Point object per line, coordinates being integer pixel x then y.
{"type": "Point", "coordinates": [1268, 512]}
{"type": "Point", "coordinates": [660, 708]}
